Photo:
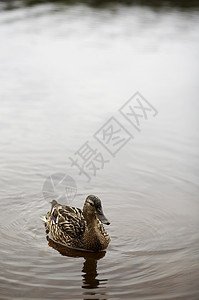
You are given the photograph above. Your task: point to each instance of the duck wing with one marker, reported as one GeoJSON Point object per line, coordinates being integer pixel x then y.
{"type": "Point", "coordinates": [72, 221]}
{"type": "Point", "coordinates": [67, 224]}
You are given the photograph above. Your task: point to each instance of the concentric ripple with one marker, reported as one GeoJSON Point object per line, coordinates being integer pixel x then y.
{"type": "Point", "coordinates": [143, 255]}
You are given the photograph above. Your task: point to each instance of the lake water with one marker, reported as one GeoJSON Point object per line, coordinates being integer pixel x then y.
{"type": "Point", "coordinates": [65, 71]}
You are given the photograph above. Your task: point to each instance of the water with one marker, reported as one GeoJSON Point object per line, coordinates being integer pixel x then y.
{"type": "Point", "coordinates": [64, 71]}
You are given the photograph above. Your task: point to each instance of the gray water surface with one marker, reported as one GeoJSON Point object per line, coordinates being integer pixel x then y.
{"type": "Point", "coordinates": [64, 72]}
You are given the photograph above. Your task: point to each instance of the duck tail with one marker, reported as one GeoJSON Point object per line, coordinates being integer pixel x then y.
{"type": "Point", "coordinates": [43, 218]}
{"type": "Point", "coordinates": [53, 203]}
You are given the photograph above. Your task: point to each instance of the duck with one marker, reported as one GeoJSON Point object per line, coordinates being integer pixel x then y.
{"type": "Point", "coordinates": [76, 228]}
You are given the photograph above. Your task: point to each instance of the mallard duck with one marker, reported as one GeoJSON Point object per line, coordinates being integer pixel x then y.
{"type": "Point", "coordinates": [76, 228]}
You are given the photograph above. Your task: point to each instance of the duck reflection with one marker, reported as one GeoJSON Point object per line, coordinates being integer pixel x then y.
{"type": "Point", "coordinates": [89, 269]}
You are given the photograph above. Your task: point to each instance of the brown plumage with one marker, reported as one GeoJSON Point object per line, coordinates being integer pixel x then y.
{"type": "Point", "coordinates": [76, 228]}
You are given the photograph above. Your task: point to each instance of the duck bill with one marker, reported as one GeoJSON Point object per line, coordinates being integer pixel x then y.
{"type": "Point", "coordinates": [102, 217]}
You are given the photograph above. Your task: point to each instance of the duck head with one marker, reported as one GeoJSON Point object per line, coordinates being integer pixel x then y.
{"type": "Point", "coordinates": [93, 209]}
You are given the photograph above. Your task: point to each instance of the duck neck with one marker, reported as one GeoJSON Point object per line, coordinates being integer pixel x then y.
{"type": "Point", "coordinates": [92, 223]}
{"type": "Point", "coordinates": [93, 239]}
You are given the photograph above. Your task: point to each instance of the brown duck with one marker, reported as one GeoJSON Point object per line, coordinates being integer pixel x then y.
{"type": "Point", "coordinates": [76, 228]}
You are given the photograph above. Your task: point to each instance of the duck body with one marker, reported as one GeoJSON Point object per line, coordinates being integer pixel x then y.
{"type": "Point", "coordinates": [76, 228]}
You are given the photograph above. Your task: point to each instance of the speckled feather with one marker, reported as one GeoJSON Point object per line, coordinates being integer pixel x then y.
{"type": "Point", "coordinates": [67, 225]}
